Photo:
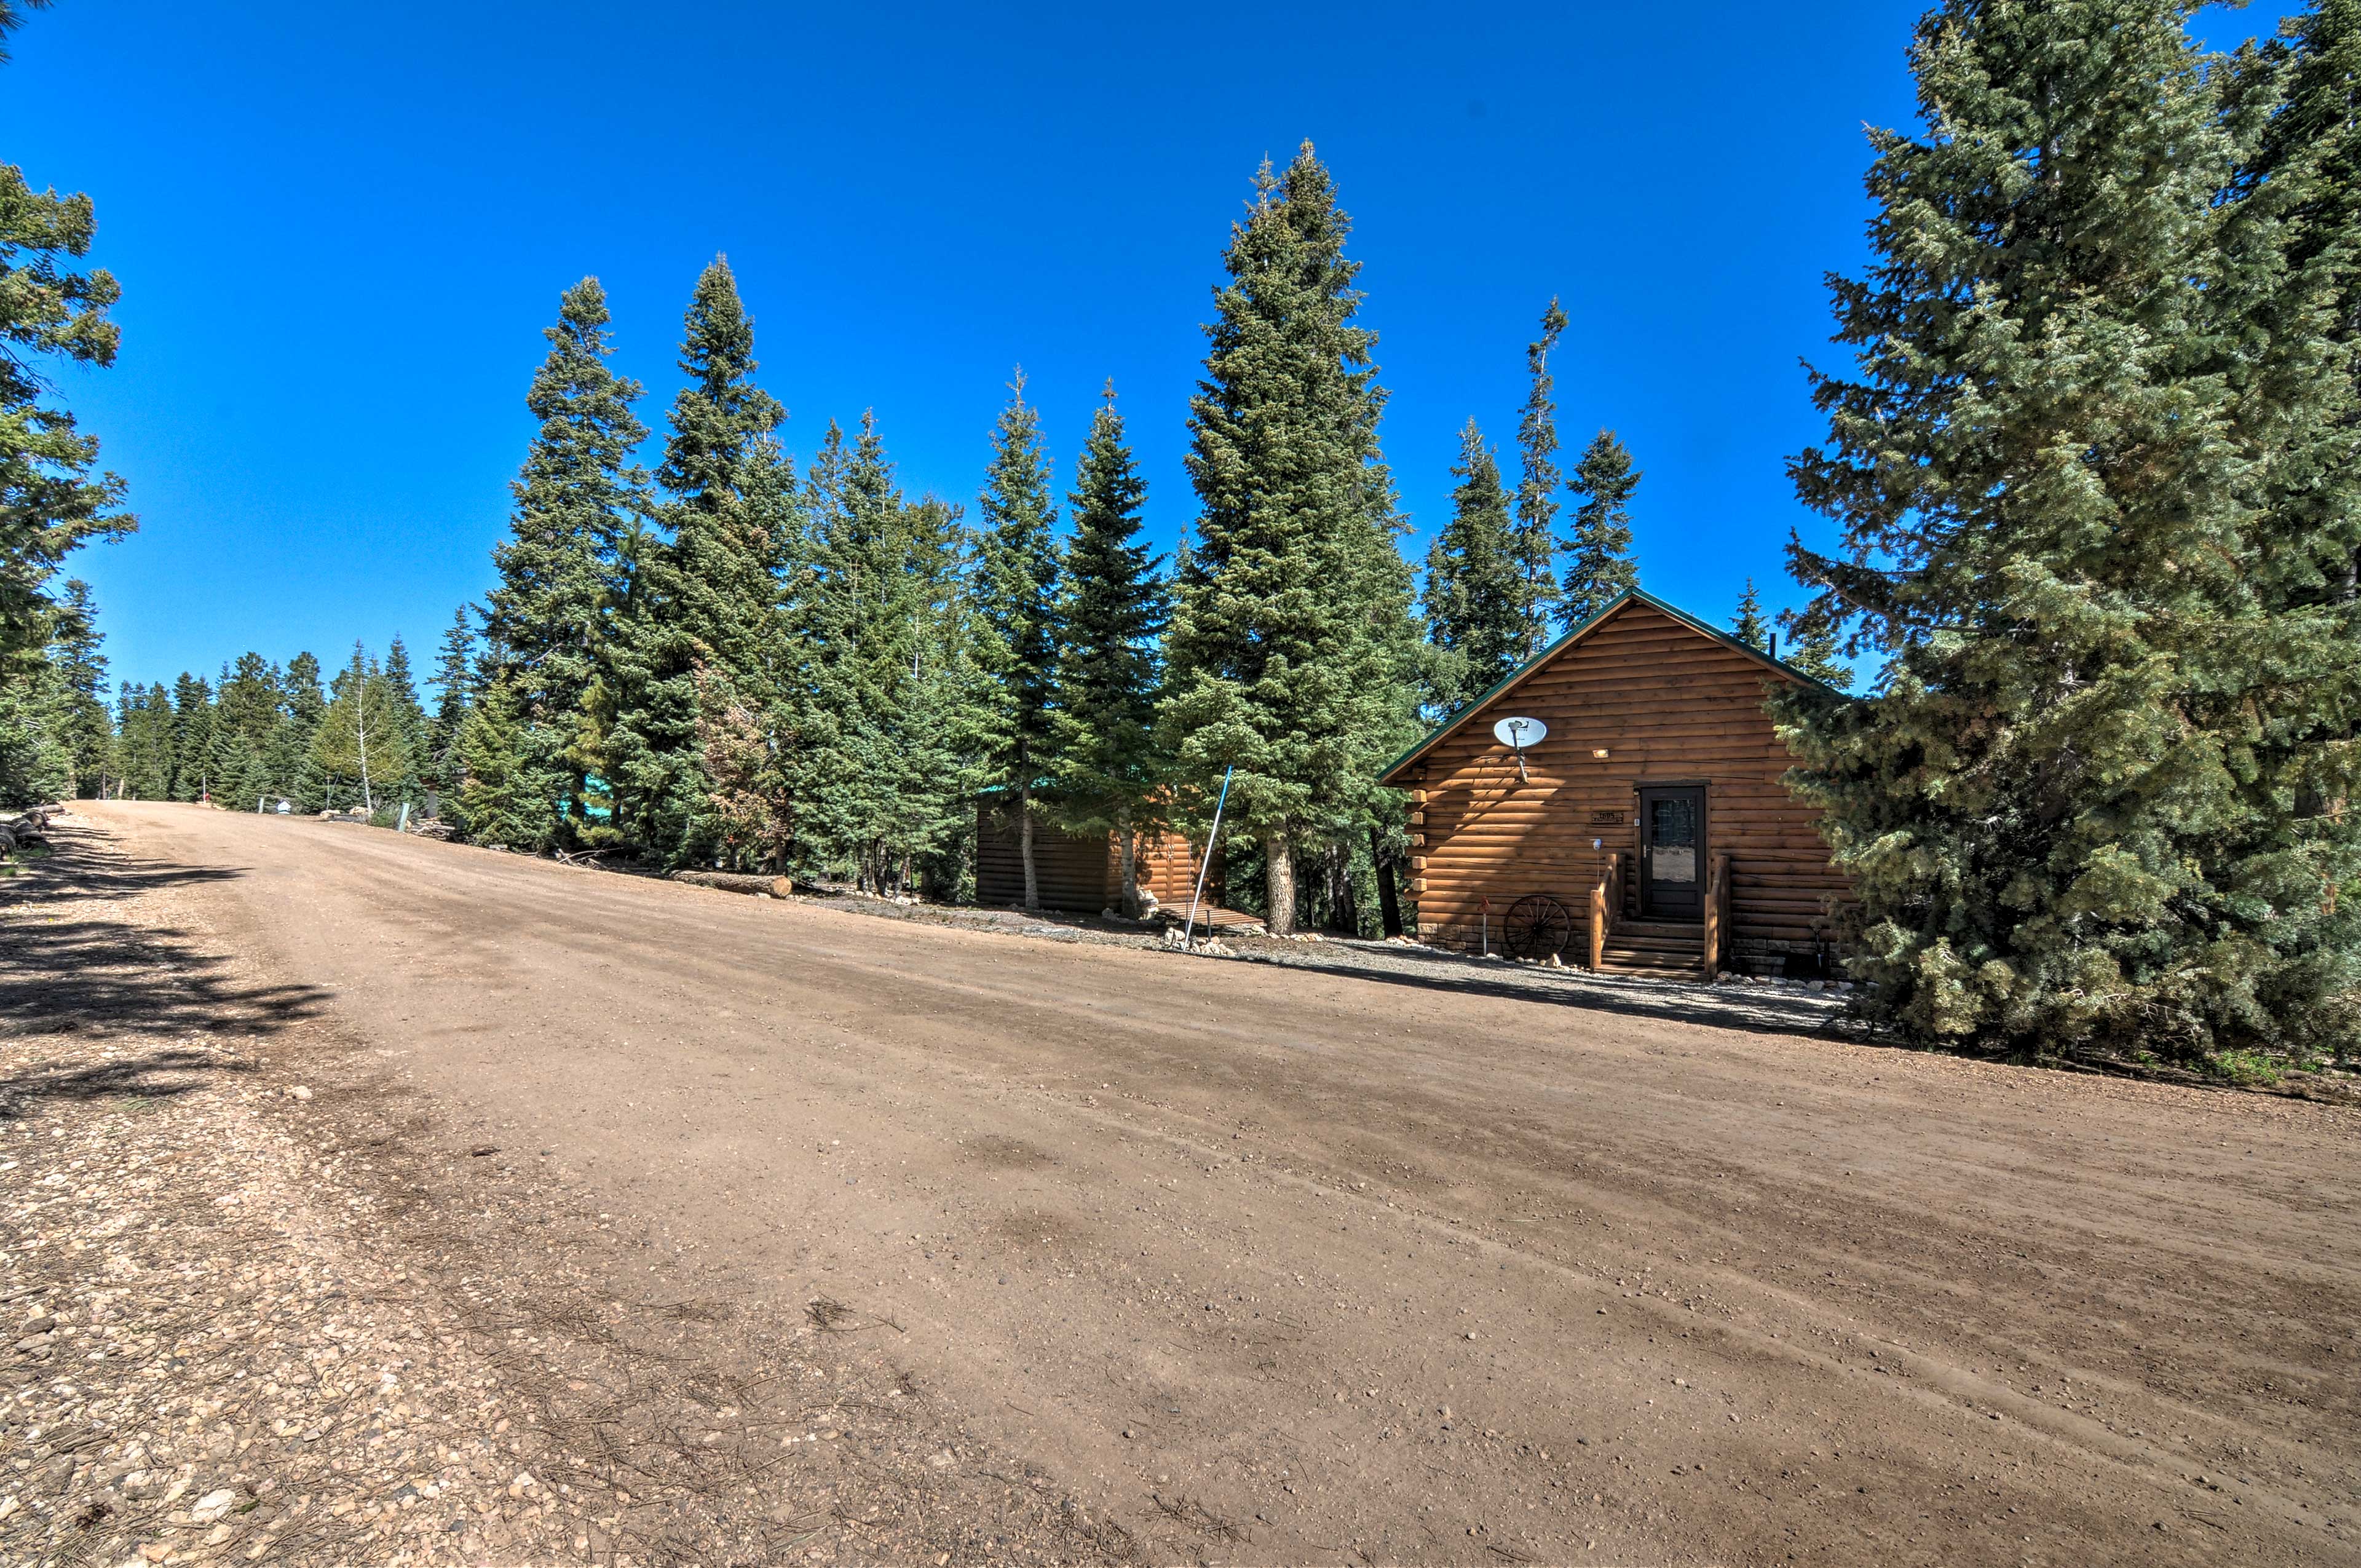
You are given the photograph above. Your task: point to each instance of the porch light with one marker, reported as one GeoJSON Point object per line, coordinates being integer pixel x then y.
{"type": "Point", "coordinates": [1599, 752]}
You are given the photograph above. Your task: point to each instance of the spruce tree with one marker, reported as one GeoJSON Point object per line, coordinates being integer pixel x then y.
{"type": "Point", "coordinates": [1599, 568]}
{"type": "Point", "coordinates": [546, 624]}
{"type": "Point", "coordinates": [1476, 590]}
{"type": "Point", "coordinates": [1286, 640]}
{"type": "Point", "coordinates": [192, 736]}
{"type": "Point", "coordinates": [1537, 482]}
{"type": "Point", "coordinates": [1112, 610]}
{"type": "Point", "coordinates": [706, 597]}
{"type": "Point", "coordinates": [1748, 625]}
{"type": "Point", "coordinates": [293, 764]}
{"type": "Point", "coordinates": [2079, 811]}
{"type": "Point", "coordinates": [87, 732]}
{"type": "Point", "coordinates": [455, 685]}
{"type": "Point", "coordinates": [888, 713]}
{"type": "Point", "coordinates": [502, 800]}
{"type": "Point", "coordinates": [1017, 600]}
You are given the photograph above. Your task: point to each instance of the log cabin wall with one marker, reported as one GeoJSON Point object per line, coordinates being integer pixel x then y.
{"type": "Point", "coordinates": [1071, 868]}
{"type": "Point", "coordinates": [1669, 705]}
{"type": "Point", "coordinates": [1080, 872]}
{"type": "Point", "coordinates": [1167, 867]}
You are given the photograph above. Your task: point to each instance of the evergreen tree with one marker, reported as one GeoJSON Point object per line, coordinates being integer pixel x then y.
{"type": "Point", "coordinates": [85, 729]}
{"type": "Point", "coordinates": [888, 707]}
{"type": "Point", "coordinates": [747, 711]}
{"type": "Point", "coordinates": [293, 767]}
{"type": "Point", "coordinates": [2077, 478]}
{"type": "Point", "coordinates": [503, 802]}
{"type": "Point", "coordinates": [546, 627]}
{"type": "Point", "coordinates": [193, 736]}
{"type": "Point", "coordinates": [454, 686]}
{"type": "Point", "coordinates": [144, 741]}
{"type": "Point", "coordinates": [1477, 593]}
{"type": "Point", "coordinates": [53, 498]}
{"type": "Point", "coordinates": [1018, 601]}
{"type": "Point", "coordinates": [1748, 625]}
{"type": "Point", "coordinates": [1112, 610]}
{"type": "Point", "coordinates": [1285, 650]}
{"type": "Point", "coordinates": [1599, 568]}
{"type": "Point", "coordinates": [705, 598]}
{"type": "Point", "coordinates": [1537, 482]}
{"type": "Point", "coordinates": [410, 723]}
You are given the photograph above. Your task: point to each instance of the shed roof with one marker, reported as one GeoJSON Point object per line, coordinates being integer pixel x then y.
{"type": "Point", "coordinates": [1386, 775]}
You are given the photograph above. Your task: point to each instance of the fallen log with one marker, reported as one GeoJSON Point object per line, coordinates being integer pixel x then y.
{"type": "Point", "coordinates": [737, 882]}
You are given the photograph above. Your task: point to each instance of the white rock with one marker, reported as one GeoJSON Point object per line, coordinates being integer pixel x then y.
{"type": "Point", "coordinates": [213, 1505]}
{"type": "Point", "coordinates": [300, 1092]}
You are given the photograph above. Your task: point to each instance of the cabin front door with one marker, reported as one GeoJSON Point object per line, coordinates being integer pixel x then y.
{"type": "Point", "coordinates": [1672, 853]}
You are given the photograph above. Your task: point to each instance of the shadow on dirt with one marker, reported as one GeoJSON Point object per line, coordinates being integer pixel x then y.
{"type": "Point", "coordinates": [1721, 1007]}
{"type": "Point", "coordinates": [68, 967]}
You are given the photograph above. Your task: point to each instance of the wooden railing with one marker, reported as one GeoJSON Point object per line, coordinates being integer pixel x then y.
{"type": "Point", "coordinates": [1606, 898]}
{"type": "Point", "coordinates": [1717, 913]}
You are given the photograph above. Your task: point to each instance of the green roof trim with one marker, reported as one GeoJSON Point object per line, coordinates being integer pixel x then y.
{"type": "Point", "coordinates": [1637, 596]}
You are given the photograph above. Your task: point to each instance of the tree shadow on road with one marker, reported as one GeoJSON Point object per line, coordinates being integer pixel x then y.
{"type": "Point", "coordinates": [1721, 1007]}
{"type": "Point", "coordinates": [72, 965]}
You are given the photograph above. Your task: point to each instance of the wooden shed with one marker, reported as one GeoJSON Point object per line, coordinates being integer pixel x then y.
{"type": "Point", "coordinates": [1077, 872]}
{"type": "Point", "coordinates": [1651, 816]}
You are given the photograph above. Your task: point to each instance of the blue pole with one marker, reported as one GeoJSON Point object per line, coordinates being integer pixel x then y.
{"type": "Point", "coordinates": [1189, 931]}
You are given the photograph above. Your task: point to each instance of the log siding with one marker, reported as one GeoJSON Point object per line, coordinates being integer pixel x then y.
{"type": "Point", "coordinates": [1671, 703]}
{"type": "Point", "coordinates": [1080, 872]}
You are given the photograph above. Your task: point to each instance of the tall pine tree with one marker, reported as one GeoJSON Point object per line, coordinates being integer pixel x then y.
{"type": "Point", "coordinates": [547, 622]}
{"type": "Point", "coordinates": [1476, 591]}
{"type": "Point", "coordinates": [1112, 611]}
{"type": "Point", "coordinates": [1285, 644]}
{"type": "Point", "coordinates": [2081, 810]}
{"type": "Point", "coordinates": [1599, 568]}
{"type": "Point", "coordinates": [1537, 482]}
{"type": "Point", "coordinates": [704, 597]}
{"type": "Point", "coordinates": [1018, 602]}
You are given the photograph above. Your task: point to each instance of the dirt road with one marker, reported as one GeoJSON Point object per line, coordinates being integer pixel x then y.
{"type": "Point", "coordinates": [1280, 1266]}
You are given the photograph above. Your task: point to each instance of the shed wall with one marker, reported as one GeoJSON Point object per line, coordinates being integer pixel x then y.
{"type": "Point", "coordinates": [1081, 872]}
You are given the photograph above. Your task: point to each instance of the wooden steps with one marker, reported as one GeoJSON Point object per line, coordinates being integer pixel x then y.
{"type": "Point", "coordinates": [1659, 949]}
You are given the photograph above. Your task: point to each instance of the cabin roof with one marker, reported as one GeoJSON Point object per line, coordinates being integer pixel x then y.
{"type": "Point", "coordinates": [1386, 775]}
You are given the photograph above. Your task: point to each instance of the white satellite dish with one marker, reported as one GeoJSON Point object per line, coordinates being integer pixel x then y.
{"type": "Point", "coordinates": [1516, 734]}
{"type": "Point", "coordinates": [1520, 733]}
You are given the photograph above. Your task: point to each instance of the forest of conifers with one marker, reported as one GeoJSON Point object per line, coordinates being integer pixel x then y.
{"type": "Point", "coordinates": [2092, 473]}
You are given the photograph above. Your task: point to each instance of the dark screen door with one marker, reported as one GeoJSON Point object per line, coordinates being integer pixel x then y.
{"type": "Point", "coordinates": [1672, 854]}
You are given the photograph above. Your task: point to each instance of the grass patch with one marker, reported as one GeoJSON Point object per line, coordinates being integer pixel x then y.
{"type": "Point", "coordinates": [2247, 1070]}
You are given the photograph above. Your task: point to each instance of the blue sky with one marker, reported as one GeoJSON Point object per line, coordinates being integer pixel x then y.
{"type": "Point", "coordinates": [340, 229]}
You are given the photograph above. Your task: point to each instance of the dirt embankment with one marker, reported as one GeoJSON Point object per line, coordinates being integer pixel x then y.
{"type": "Point", "coordinates": [1249, 1264]}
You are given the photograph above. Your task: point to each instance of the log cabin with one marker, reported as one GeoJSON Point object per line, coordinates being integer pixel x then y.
{"type": "Point", "coordinates": [1078, 873]}
{"type": "Point", "coordinates": [1648, 831]}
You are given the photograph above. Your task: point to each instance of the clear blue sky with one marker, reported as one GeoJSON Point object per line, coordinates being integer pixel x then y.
{"type": "Point", "coordinates": [340, 229]}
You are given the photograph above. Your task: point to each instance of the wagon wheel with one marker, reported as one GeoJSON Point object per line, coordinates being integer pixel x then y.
{"type": "Point", "coordinates": [1536, 926]}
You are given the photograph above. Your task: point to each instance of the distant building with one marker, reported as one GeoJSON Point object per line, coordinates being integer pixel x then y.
{"type": "Point", "coordinates": [1078, 871]}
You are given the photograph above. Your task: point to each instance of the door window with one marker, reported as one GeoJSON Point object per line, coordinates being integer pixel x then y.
{"type": "Point", "coordinates": [1672, 838]}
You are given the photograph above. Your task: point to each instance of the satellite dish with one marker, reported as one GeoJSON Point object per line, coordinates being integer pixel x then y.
{"type": "Point", "coordinates": [1516, 734]}
{"type": "Point", "coordinates": [1519, 733]}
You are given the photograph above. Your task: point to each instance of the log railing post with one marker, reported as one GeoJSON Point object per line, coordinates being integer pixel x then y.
{"type": "Point", "coordinates": [1716, 915]}
{"type": "Point", "coordinates": [1609, 874]}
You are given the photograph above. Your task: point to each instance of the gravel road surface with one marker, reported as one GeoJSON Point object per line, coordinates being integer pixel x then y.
{"type": "Point", "coordinates": [1105, 1252]}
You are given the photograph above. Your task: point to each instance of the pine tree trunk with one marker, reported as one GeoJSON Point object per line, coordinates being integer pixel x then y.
{"type": "Point", "coordinates": [1389, 902]}
{"type": "Point", "coordinates": [1025, 845]}
{"type": "Point", "coordinates": [1127, 842]}
{"type": "Point", "coordinates": [1278, 884]}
